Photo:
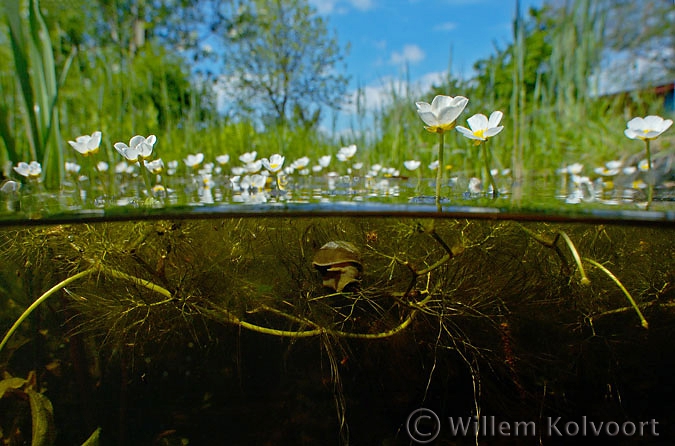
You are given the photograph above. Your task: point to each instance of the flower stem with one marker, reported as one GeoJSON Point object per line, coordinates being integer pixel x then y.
{"type": "Point", "coordinates": [439, 171]}
{"type": "Point", "coordinates": [146, 176]}
{"type": "Point", "coordinates": [488, 172]}
{"type": "Point", "coordinates": [650, 185]}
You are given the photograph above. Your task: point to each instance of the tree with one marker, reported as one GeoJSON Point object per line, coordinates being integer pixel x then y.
{"type": "Point", "coordinates": [282, 61]}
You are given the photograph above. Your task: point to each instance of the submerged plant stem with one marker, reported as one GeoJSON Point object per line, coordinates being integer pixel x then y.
{"type": "Point", "coordinates": [577, 259]}
{"type": "Point", "coordinates": [42, 298]}
{"type": "Point", "coordinates": [138, 281]}
{"type": "Point", "coordinates": [643, 321]}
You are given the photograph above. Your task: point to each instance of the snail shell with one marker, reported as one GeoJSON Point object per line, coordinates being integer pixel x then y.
{"type": "Point", "coordinates": [339, 263]}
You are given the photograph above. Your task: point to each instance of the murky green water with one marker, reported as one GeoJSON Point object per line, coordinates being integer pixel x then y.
{"type": "Point", "coordinates": [225, 329]}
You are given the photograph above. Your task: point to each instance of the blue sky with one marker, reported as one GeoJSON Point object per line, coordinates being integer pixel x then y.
{"type": "Point", "coordinates": [388, 35]}
{"type": "Point", "coordinates": [385, 34]}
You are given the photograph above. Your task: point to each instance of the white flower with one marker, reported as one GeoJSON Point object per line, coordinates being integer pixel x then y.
{"type": "Point", "coordinates": [575, 169]}
{"type": "Point", "coordinates": [223, 159]}
{"type": "Point", "coordinates": [121, 167]}
{"type": "Point", "coordinates": [10, 186]}
{"type": "Point", "coordinates": [274, 163]}
{"type": "Point", "coordinates": [643, 165]}
{"type": "Point", "coordinates": [411, 164]}
{"type": "Point", "coordinates": [248, 157]}
{"type": "Point", "coordinates": [433, 165]}
{"type": "Point", "coordinates": [194, 160]}
{"type": "Point", "coordinates": [300, 163]}
{"type": "Point", "coordinates": [253, 166]}
{"type": "Point", "coordinates": [238, 171]}
{"type": "Point", "coordinates": [475, 185]}
{"type": "Point", "coordinates": [139, 147]}
{"type": "Point", "coordinates": [324, 161]}
{"type": "Point", "coordinates": [346, 153]}
{"type": "Point", "coordinates": [87, 144]}
{"type": "Point", "coordinates": [647, 128]}
{"type": "Point", "coordinates": [441, 115]}
{"type": "Point", "coordinates": [616, 164]}
{"type": "Point", "coordinates": [154, 166]}
{"type": "Point", "coordinates": [482, 128]}
{"type": "Point", "coordinates": [255, 181]}
{"type": "Point", "coordinates": [102, 166]}
{"type": "Point", "coordinates": [32, 170]}
{"type": "Point", "coordinates": [73, 168]}
{"type": "Point", "coordinates": [606, 171]}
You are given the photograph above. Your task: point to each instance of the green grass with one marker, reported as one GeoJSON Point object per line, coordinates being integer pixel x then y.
{"type": "Point", "coordinates": [550, 120]}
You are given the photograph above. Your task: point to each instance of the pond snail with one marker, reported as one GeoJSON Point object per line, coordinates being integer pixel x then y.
{"type": "Point", "coordinates": [339, 263]}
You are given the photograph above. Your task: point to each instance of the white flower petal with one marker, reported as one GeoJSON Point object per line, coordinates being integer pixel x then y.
{"type": "Point", "coordinates": [478, 122]}
{"type": "Point", "coordinates": [492, 131]}
{"type": "Point", "coordinates": [495, 119]}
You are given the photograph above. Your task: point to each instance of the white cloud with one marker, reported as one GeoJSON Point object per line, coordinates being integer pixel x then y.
{"type": "Point", "coordinates": [409, 54]}
{"type": "Point", "coordinates": [380, 44]}
{"type": "Point", "coordinates": [446, 26]}
{"type": "Point", "coordinates": [463, 2]}
{"type": "Point", "coordinates": [378, 95]}
{"type": "Point", "coordinates": [326, 7]}
{"type": "Point", "coordinates": [362, 5]}
{"type": "Point", "coordinates": [375, 96]}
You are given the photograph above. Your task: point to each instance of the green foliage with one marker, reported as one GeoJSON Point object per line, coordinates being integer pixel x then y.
{"type": "Point", "coordinates": [542, 82]}
{"type": "Point", "coordinates": [36, 75]}
{"type": "Point", "coordinates": [130, 75]}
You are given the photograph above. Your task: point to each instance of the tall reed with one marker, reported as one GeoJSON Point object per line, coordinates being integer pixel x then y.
{"type": "Point", "coordinates": [39, 84]}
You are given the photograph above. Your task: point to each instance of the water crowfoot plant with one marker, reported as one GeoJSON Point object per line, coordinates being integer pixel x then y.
{"type": "Point", "coordinates": [413, 165]}
{"type": "Point", "coordinates": [33, 173]}
{"type": "Point", "coordinates": [138, 150]}
{"type": "Point", "coordinates": [31, 170]}
{"type": "Point", "coordinates": [482, 128]}
{"type": "Point", "coordinates": [88, 145]}
{"type": "Point", "coordinates": [441, 116]}
{"type": "Point", "coordinates": [274, 165]}
{"type": "Point", "coordinates": [646, 129]}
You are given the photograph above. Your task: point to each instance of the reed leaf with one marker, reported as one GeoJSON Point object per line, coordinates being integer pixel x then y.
{"type": "Point", "coordinates": [39, 84]}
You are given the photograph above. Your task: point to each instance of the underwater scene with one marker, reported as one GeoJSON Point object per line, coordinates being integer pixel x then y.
{"type": "Point", "coordinates": [337, 329]}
